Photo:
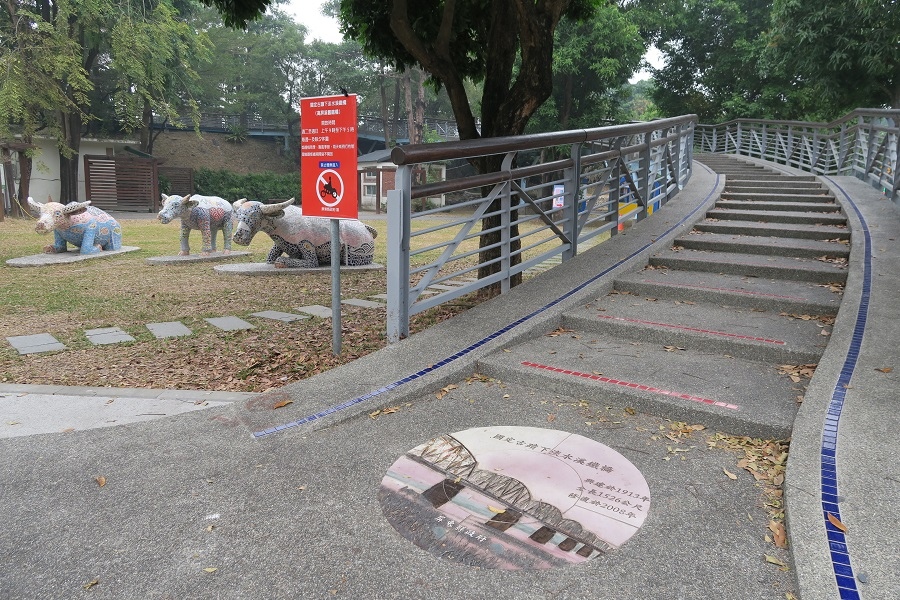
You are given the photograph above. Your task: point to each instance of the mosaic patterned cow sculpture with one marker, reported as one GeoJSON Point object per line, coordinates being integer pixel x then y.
{"type": "Point", "coordinates": [306, 241]}
{"type": "Point", "coordinates": [79, 224]}
{"type": "Point", "coordinates": [207, 214]}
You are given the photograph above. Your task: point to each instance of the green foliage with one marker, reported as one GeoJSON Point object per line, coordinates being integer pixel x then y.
{"type": "Point", "coordinates": [489, 39]}
{"type": "Point", "coordinates": [255, 186]}
{"type": "Point", "coordinates": [237, 134]}
{"type": "Point", "coordinates": [590, 60]}
{"type": "Point", "coordinates": [846, 49]}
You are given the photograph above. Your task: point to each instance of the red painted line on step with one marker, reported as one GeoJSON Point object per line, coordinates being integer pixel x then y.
{"type": "Point", "coordinates": [695, 329]}
{"type": "Point", "coordinates": [736, 291]}
{"type": "Point", "coordinates": [632, 385]}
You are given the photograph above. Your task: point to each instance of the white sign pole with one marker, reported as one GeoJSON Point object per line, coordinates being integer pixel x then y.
{"type": "Point", "coordinates": [336, 286]}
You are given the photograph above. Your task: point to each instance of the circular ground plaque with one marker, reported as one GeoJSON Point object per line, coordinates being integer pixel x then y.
{"type": "Point", "coordinates": [515, 497]}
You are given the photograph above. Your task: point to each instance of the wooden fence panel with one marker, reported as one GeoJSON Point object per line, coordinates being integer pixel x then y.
{"type": "Point", "coordinates": [122, 183]}
{"type": "Point", "coordinates": [181, 179]}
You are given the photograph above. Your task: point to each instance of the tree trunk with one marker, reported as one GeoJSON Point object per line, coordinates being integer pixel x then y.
{"type": "Point", "coordinates": [25, 166]}
{"type": "Point", "coordinates": [395, 120]}
{"type": "Point", "coordinates": [515, 29]}
{"type": "Point", "coordinates": [410, 117]}
{"type": "Point", "coordinates": [68, 161]}
{"type": "Point", "coordinates": [385, 125]}
{"type": "Point", "coordinates": [146, 140]}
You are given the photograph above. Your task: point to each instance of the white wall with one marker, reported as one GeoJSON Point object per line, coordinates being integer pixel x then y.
{"type": "Point", "coordinates": [45, 179]}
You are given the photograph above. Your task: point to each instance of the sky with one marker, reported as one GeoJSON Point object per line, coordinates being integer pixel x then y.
{"type": "Point", "coordinates": [309, 13]}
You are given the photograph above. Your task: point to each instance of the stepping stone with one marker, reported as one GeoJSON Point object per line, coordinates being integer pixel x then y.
{"type": "Point", "coordinates": [279, 316]}
{"type": "Point", "coordinates": [363, 303]}
{"type": "Point", "coordinates": [168, 329]}
{"type": "Point", "coordinates": [33, 344]}
{"type": "Point", "coordinates": [382, 297]}
{"type": "Point", "coordinates": [229, 323]}
{"type": "Point", "coordinates": [107, 335]}
{"type": "Point", "coordinates": [316, 310]}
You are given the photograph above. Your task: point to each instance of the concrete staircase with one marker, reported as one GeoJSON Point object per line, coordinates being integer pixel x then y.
{"type": "Point", "coordinates": [724, 328]}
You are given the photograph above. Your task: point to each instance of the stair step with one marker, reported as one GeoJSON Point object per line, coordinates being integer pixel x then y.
{"type": "Point", "coordinates": [763, 216]}
{"type": "Point", "coordinates": [792, 230]}
{"type": "Point", "coordinates": [824, 197]}
{"type": "Point", "coordinates": [688, 386]}
{"type": "Point", "coordinates": [796, 297]}
{"type": "Point", "coordinates": [752, 334]}
{"type": "Point", "coordinates": [786, 187]}
{"type": "Point", "coordinates": [776, 178]}
{"type": "Point", "coordinates": [768, 246]}
{"type": "Point", "coordinates": [775, 267]}
{"type": "Point", "coordinates": [773, 206]}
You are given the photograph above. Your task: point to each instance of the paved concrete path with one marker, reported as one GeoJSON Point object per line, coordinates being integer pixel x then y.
{"type": "Point", "coordinates": [285, 494]}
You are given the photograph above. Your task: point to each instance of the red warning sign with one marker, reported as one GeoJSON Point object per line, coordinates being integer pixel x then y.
{"type": "Point", "coordinates": [328, 157]}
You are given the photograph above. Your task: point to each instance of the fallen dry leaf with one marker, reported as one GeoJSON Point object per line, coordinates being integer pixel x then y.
{"type": "Point", "coordinates": [101, 480]}
{"type": "Point", "coordinates": [496, 510]}
{"type": "Point", "coordinates": [211, 569]}
{"type": "Point", "coordinates": [551, 417]}
{"type": "Point", "coordinates": [885, 369]}
{"type": "Point", "coordinates": [729, 473]}
{"type": "Point", "coordinates": [836, 522]}
{"type": "Point", "coordinates": [774, 561]}
{"type": "Point", "coordinates": [91, 584]}
{"type": "Point", "coordinates": [779, 533]}
{"type": "Point", "coordinates": [283, 403]}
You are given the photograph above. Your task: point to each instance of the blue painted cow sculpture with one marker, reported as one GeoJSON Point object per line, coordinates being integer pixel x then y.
{"type": "Point", "coordinates": [78, 223]}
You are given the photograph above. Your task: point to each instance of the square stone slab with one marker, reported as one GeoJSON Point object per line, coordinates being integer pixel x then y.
{"type": "Point", "coordinates": [316, 310]}
{"type": "Point", "coordinates": [229, 323]}
{"type": "Point", "coordinates": [32, 344]}
{"type": "Point", "coordinates": [279, 316]}
{"type": "Point", "coordinates": [168, 329]}
{"type": "Point", "coordinates": [363, 303]}
{"type": "Point", "coordinates": [107, 335]}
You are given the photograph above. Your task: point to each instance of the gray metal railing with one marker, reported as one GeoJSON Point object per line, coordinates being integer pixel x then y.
{"type": "Point", "coordinates": [862, 143]}
{"type": "Point", "coordinates": [549, 192]}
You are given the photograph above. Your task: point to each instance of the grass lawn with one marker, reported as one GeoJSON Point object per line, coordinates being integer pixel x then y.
{"type": "Point", "coordinates": [127, 292]}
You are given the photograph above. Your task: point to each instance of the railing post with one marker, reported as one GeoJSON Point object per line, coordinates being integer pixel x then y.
{"type": "Point", "coordinates": [505, 225]}
{"type": "Point", "coordinates": [572, 187]}
{"type": "Point", "coordinates": [643, 182]}
{"type": "Point", "coordinates": [615, 193]}
{"type": "Point", "coordinates": [739, 142]}
{"type": "Point", "coordinates": [399, 209]}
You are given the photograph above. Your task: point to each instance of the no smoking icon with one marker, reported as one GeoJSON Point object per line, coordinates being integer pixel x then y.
{"type": "Point", "coordinates": [330, 187]}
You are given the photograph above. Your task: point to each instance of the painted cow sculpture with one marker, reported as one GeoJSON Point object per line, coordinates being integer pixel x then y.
{"type": "Point", "coordinates": [207, 214]}
{"type": "Point", "coordinates": [79, 224]}
{"type": "Point", "coordinates": [306, 241]}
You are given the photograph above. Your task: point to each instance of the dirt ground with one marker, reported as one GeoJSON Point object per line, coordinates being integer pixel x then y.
{"type": "Point", "coordinates": [214, 151]}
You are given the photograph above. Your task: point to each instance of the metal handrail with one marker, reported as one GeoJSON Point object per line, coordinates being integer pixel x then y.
{"type": "Point", "coordinates": [862, 143]}
{"type": "Point", "coordinates": [545, 203]}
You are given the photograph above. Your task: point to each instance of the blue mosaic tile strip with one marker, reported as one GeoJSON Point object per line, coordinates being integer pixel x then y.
{"type": "Point", "coordinates": [347, 404]}
{"type": "Point", "coordinates": [837, 541]}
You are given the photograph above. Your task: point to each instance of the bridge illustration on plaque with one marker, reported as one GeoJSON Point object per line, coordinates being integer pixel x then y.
{"type": "Point", "coordinates": [515, 498]}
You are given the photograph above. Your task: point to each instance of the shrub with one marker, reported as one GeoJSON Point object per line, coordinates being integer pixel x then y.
{"type": "Point", "coordinates": [263, 186]}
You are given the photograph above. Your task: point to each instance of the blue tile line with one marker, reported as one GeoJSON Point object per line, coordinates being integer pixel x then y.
{"type": "Point", "coordinates": [454, 357]}
{"type": "Point", "coordinates": [837, 541]}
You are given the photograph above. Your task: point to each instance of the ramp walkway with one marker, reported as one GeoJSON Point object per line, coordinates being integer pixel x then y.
{"type": "Point", "coordinates": [722, 365]}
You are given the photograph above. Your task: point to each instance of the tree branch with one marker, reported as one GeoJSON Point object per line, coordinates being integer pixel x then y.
{"type": "Point", "coordinates": [442, 41]}
{"type": "Point", "coordinates": [439, 67]}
